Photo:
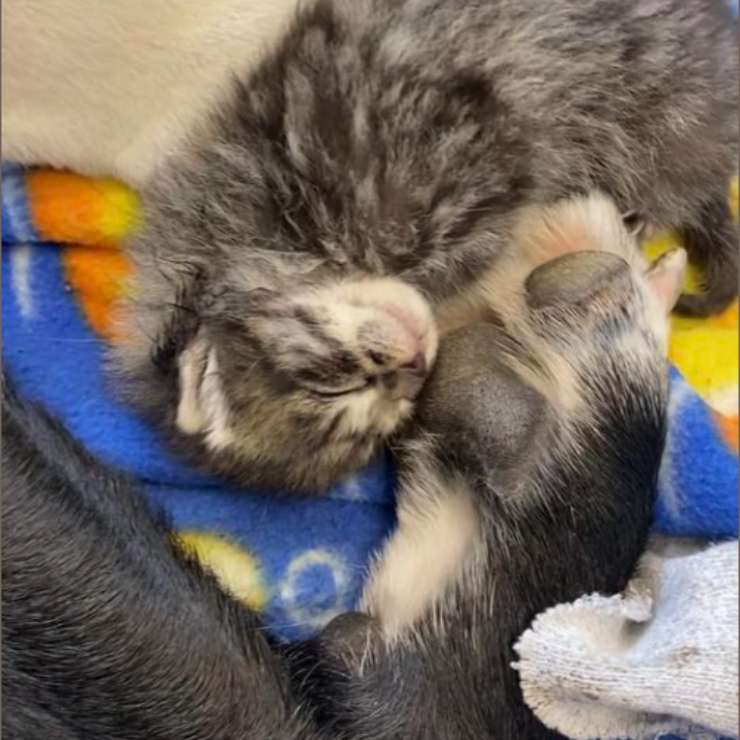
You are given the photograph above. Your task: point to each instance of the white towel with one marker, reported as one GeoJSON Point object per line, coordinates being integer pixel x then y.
{"type": "Point", "coordinates": [661, 657]}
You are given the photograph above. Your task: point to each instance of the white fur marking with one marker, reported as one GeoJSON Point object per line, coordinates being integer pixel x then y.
{"type": "Point", "coordinates": [437, 529]}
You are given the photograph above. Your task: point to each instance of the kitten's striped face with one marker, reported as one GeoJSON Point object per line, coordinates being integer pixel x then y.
{"type": "Point", "coordinates": [305, 387]}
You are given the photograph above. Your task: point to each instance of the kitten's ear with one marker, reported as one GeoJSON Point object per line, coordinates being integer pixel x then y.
{"type": "Point", "coordinates": [202, 407]}
{"type": "Point", "coordinates": [192, 366]}
{"type": "Point", "coordinates": [666, 277]}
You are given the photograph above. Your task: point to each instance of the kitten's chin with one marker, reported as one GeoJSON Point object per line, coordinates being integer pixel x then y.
{"type": "Point", "coordinates": [361, 425]}
{"type": "Point", "coordinates": [371, 414]}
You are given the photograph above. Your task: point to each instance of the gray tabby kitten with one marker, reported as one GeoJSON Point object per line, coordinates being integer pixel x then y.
{"type": "Point", "coordinates": [295, 263]}
{"type": "Point", "coordinates": [527, 480]}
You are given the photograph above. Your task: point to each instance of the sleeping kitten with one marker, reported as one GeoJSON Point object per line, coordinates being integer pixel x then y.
{"type": "Point", "coordinates": [295, 254]}
{"type": "Point", "coordinates": [528, 480]}
{"type": "Point", "coordinates": [110, 630]}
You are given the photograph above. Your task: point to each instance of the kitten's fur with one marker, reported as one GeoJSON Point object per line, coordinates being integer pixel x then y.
{"type": "Point", "coordinates": [110, 630]}
{"type": "Point", "coordinates": [403, 140]}
{"type": "Point", "coordinates": [528, 480]}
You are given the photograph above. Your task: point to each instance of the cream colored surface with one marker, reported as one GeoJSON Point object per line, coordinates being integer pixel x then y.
{"type": "Point", "coordinates": [109, 88]}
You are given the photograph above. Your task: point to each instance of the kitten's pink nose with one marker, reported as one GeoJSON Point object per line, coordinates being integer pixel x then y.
{"type": "Point", "coordinates": [417, 366]}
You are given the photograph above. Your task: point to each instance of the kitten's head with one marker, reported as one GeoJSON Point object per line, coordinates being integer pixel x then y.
{"type": "Point", "coordinates": [296, 389]}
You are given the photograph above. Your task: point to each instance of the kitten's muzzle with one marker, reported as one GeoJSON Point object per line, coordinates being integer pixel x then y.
{"type": "Point", "coordinates": [417, 366]}
{"type": "Point", "coordinates": [407, 381]}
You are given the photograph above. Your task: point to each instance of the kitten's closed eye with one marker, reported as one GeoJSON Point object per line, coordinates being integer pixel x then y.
{"type": "Point", "coordinates": [332, 371]}
{"type": "Point", "coordinates": [348, 337]}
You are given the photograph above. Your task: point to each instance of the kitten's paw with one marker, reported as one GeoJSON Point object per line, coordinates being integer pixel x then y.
{"type": "Point", "coordinates": [485, 413]}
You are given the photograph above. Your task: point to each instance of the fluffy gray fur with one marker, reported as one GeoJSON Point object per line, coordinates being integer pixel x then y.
{"type": "Point", "coordinates": [562, 503]}
{"type": "Point", "coordinates": [401, 139]}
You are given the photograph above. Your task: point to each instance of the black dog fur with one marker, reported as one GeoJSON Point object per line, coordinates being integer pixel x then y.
{"type": "Point", "coordinates": [109, 629]}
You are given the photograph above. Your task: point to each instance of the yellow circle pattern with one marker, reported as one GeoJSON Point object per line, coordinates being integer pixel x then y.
{"type": "Point", "coordinates": [237, 570]}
